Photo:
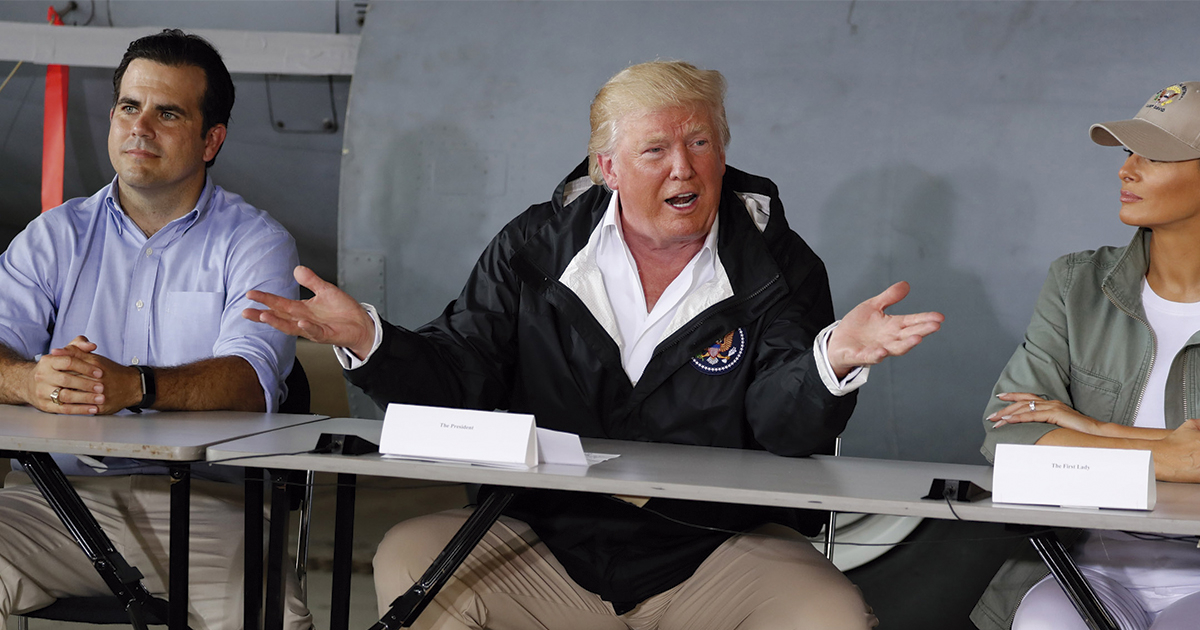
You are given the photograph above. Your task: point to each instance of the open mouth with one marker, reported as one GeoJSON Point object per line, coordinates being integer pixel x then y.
{"type": "Point", "coordinates": [683, 201]}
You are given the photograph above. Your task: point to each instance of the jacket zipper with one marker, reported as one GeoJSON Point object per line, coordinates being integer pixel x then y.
{"type": "Point", "coordinates": [691, 329]}
{"type": "Point", "coordinates": [1185, 389]}
{"type": "Point", "coordinates": [1154, 345]}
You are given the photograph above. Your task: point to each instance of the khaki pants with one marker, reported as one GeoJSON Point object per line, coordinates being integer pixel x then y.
{"type": "Point", "coordinates": [769, 579]}
{"type": "Point", "coordinates": [40, 562]}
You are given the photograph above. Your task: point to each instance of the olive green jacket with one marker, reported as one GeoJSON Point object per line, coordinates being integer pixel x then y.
{"type": "Point", "coordinates": [1089, 346]}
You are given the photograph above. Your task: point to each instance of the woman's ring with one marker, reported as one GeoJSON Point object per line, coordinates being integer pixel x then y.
{"type": "Point", "coordinates": [54, 396]}
{"type": "Point", "coordinates": [1032, 406]}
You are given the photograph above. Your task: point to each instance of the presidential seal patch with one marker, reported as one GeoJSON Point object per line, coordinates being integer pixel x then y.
{"type": "Point", "coordinates": [1166, 96]}
{"type": "Point", "coordinates": [723, 354]}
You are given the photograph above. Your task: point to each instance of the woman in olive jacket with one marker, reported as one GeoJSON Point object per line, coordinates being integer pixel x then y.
{"type": "Point", "coordinates": [1111, 359]}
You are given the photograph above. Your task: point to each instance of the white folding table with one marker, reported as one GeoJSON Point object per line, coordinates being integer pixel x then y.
{"type": "Point", "coordinates": [843, 484]}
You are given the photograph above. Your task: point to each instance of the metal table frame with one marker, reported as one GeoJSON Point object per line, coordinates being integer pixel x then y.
{"type": "Point", "coordinates": [175, 438]}
{"type": "Point", "coordinates": [124, 580]}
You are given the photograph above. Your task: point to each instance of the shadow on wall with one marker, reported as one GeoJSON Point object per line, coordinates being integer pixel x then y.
{"type": "Point", "coordinates": [432, 212]}
{"type": "Point", "coordinates": [899, 223]}
{"type": "Point", "coordinates": [422, 208]}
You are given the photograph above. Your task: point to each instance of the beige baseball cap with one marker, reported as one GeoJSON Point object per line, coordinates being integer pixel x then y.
{"type": "Point", "coordinates": [1167, 128]}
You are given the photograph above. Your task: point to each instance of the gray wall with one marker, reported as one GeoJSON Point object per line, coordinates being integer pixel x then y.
{"type": "Point", "coordinates": [941, 143]}
{"type": "Point", "coordinates": [292, 172]}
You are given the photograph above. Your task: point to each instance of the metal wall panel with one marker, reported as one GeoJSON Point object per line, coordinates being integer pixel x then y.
{"type": "Point", "coordinates": [943, 143]}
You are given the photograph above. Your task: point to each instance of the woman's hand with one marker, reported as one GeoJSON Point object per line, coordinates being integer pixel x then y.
{"type": "Point", "coordinates": [1177, 456]}
{"type": "Point", "coordinates": [1028, 407]}
{"type": "Point", "coordinates": [1176, 452]}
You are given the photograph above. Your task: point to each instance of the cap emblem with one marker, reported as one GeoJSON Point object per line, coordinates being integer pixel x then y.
{"type": "Point", "coordinates": [723, 354]}
{"type": "Point", "coordinates": [1167, 96]}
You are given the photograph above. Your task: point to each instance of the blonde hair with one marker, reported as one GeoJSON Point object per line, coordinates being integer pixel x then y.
{"type": "Point", "coordinates": [647, 87]}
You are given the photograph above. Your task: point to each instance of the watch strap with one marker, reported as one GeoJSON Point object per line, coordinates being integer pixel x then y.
{"type": "Point", "coordinates": [149, 388]}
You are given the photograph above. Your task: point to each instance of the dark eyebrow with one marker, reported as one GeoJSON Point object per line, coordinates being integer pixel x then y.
{"type": "Point", "coordinates": [174, 109]}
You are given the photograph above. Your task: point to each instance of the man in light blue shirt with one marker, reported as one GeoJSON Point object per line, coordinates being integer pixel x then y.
{"type": "Point", "coordinates": [152, 270]}
{"type": "Point", "coordinates": [132, 299]}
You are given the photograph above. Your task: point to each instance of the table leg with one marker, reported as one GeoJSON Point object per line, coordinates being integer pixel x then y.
{"type": "Point", "coordinates": [1073, 583]}
{"type": "Point", "coordinates": [343, 552]}
{"type": "Point", "coordinates": [181, 504]}
{"type": "Point", "coordinates": [302, 539]}
{"type": "Point", "coordinates": [830, 535]}
{"type": "Point", "coordinates": [276, 542]}
{"type": "Point", "coordinates": [253, 572]}
{"type": "Point", "coordinates": [406, 608]}
{"type": "Point", "coordinates": [124, 580]}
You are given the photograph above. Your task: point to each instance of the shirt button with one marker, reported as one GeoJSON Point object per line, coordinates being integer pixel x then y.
{"type": "Point", "coordinates": [134, 361]}
{"type": "Point", "coordinates": [149, 250]}
{"type": "Point", "coordinates": [139, 305]}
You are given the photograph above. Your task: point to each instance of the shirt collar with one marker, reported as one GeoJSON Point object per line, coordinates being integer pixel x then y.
{"type": "Point", "coordinates": [179, 225]}
{"type": "Point", "coordinates": [612, 233]}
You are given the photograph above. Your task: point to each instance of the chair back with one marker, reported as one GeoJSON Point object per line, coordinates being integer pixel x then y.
{"type": "Point", "coordinates": [299, 393]}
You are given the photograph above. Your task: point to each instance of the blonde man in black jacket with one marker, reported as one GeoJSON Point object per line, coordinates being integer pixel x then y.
{"type": "Point", "coordinates": [659, 296]}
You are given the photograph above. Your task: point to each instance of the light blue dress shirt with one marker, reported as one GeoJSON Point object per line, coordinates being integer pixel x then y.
{"type": "Point", "coordinates": [85, 268]}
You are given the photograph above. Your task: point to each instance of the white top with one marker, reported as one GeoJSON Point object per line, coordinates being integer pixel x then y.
{"type": "Point", "coordinates": [1151, 569]}
{"type": "Point", "coordinates": [1173, 324]}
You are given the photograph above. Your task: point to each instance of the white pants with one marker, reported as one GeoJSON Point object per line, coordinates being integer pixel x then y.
{"type": "Point", "coordinates": [40, 562]}
{"type": "Point", "coordinates": [1046, 607]}
{"type": "Point", "coordinates": [772, 579]}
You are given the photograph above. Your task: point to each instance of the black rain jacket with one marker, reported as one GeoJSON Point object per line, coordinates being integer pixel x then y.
{"type": "Point", "coordinates": [517, 339]}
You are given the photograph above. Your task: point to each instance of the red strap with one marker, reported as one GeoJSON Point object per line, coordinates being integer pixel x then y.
{"type": "Point", "coordinates": [54, 129]}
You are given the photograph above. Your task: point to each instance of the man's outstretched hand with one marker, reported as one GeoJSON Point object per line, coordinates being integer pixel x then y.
{"type": "Point", "coordinates": [330, 316]}
{"type": "Point", "coordinates": [868, 335]}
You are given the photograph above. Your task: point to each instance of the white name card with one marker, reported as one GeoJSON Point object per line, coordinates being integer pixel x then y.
{"type": "Point", "coordinates": [460, 435]}
{"type": "Point", "coordinates": [1071, 476]}
{"type": "Point", "coordinates": [490, 438]}
{"type": "Point", "coordinates": [558, 447]}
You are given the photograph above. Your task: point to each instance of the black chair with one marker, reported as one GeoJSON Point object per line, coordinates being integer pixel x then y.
{"type": "Point", "coordinates": [299, 394]}
{"type": "Point", "coordinates": [108, 610]}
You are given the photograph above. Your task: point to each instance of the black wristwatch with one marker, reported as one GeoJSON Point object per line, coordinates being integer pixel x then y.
{"type": "Point", "coordinates": [149, 389]}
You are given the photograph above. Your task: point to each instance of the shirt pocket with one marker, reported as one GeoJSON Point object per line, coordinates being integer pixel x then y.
{"type": "Point", "coordinates": [1093, 395]}
{"type": "Point", "coordinates": [190, 324]}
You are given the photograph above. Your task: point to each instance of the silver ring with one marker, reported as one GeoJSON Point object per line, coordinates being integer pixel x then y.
{"type": "Point", "coordinates": [54, 396]}
{"type": "Point", "coordinates": [1032, 406]}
